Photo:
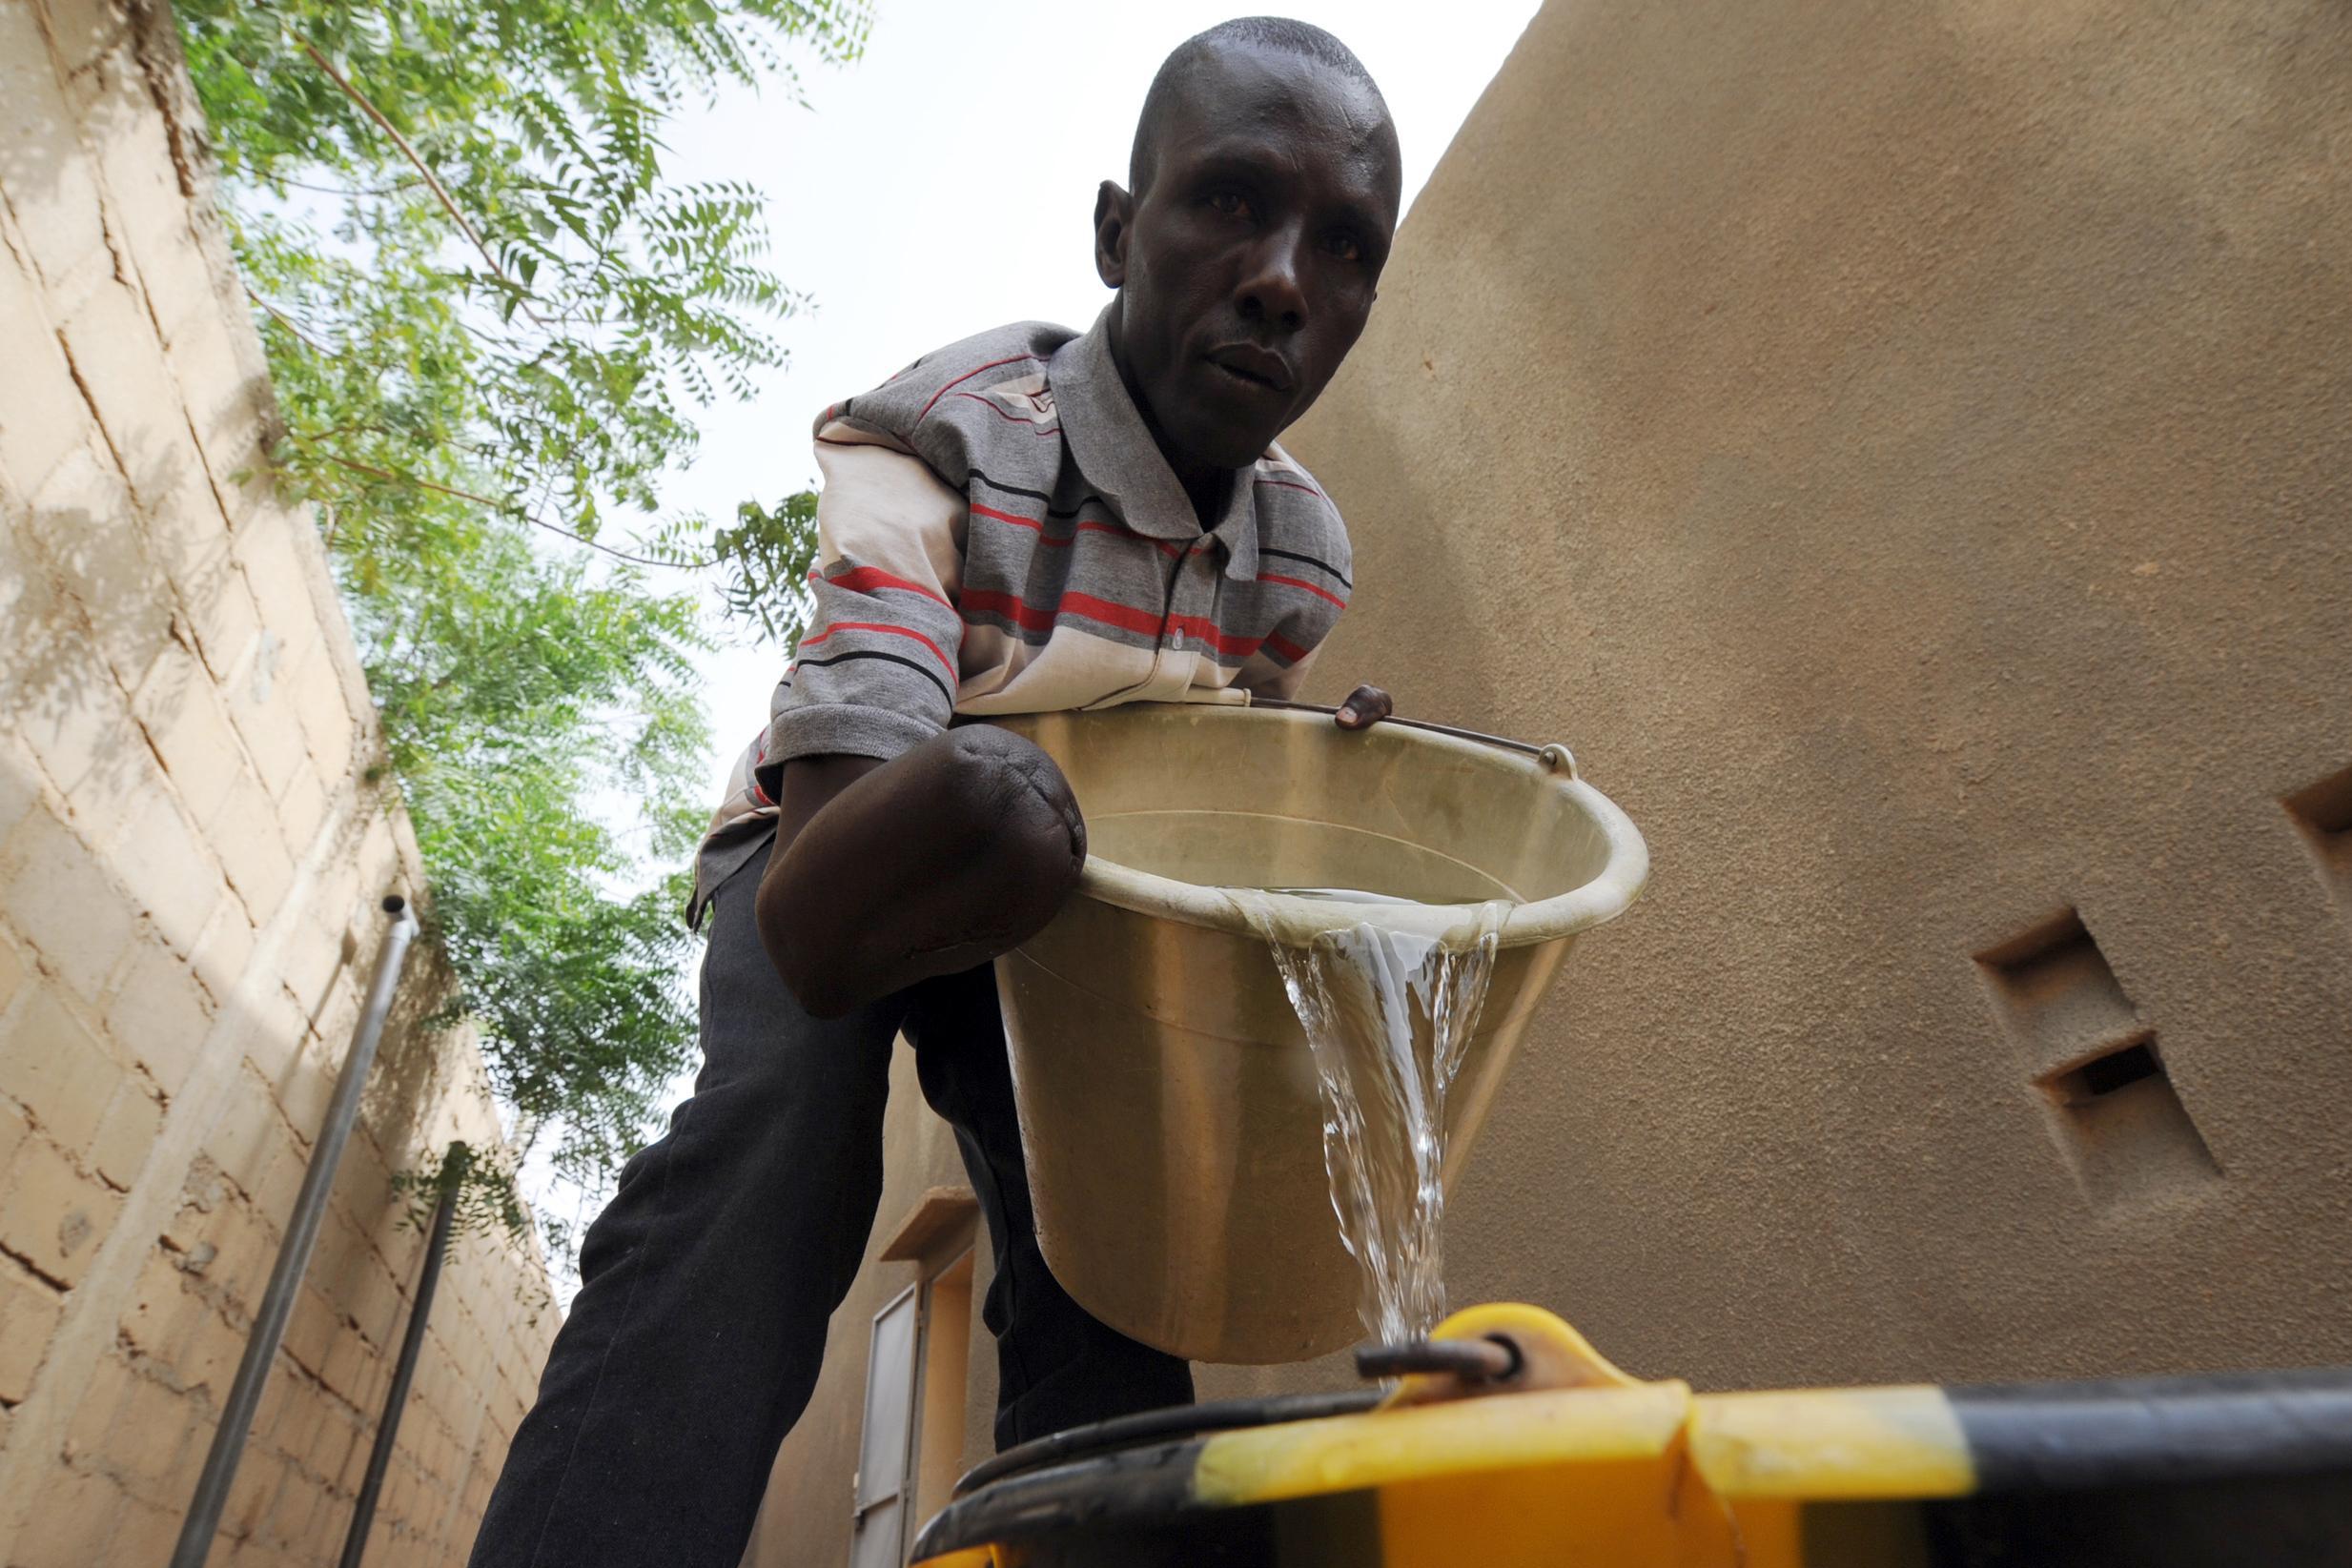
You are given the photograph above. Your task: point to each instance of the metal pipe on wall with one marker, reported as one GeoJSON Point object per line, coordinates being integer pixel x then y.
{"type": "Point", "coordinates": [404, 1372]}
{"type": "Point", "coordinates": [294, 1252]}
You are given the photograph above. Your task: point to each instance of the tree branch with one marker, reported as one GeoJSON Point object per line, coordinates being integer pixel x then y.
{"type": "Point", "coordinates": [350, 193]}
{"type": "Point", "coordinates": [440, 192]}
{"type": "Point", "coordinates": [510, 509]}
{"type": "Point", "coordinates": [287, 321]}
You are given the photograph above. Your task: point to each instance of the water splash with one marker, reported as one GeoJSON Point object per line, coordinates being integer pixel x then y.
{"type": "Point", "coordinates": [1389, 1016]}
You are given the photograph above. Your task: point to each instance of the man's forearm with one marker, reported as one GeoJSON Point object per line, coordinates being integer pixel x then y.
{"type": "Point", "coordinates": [810, 785]}
{"type": "Point", "coordinates": [939, 860]}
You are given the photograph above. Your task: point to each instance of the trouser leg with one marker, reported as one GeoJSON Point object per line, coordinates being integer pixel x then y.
{"type": "Point", "coordinates": [1058, 1367]}
{"type": "Point", "coordinates": [706, 1284]}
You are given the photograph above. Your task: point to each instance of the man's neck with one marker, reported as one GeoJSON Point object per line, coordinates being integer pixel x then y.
{"type": "Point", "coordinates": [1206, 485]}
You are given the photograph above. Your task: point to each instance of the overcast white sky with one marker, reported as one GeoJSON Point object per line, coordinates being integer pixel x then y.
{"type": "Point", "coordinates": [945, 184]}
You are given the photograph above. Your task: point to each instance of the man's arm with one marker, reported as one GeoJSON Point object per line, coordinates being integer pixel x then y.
{"type": "Point", "coordinates": [869, 696]}
{"type": "Point", "coordinates": [942, 859]}
{"type": "Point", "coordinates": [936, 861]}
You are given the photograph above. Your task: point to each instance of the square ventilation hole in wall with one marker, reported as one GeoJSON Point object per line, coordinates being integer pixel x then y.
{"type": "Point", "coordinates": [2097, 1063]}
{"type": "Point", "coordinates": [2322, 813]}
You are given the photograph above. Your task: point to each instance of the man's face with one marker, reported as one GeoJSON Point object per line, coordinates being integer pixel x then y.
{"type": "Point", "coordinates": [1249, 263]}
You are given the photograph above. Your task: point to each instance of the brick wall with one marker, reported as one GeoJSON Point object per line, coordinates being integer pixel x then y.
{"type": "Point", "coordinates": [191, 858]}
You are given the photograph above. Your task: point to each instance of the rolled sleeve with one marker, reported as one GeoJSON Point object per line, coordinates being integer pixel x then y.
{"type": "Point", "coordinates": [1279, 667]}
{"type": "Point", "coordinates": [877, 671]}
{"type": "Point", "coordinates": [1282, 681]}
{"type": "Point", "coordinates": [842, 729]}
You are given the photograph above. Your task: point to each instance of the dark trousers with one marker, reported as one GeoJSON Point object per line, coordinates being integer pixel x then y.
{"type": "Point", "coordinates": [707, 1282]}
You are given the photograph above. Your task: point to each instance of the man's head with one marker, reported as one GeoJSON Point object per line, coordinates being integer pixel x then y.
{"type": "Point", "coordinates": [1265, 182]}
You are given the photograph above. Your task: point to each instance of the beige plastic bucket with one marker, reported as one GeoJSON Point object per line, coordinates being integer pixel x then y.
{"type": "Point", "coordinates": [1167, 1095]}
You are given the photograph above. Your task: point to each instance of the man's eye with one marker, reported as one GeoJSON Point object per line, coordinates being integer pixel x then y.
{"type": "Point", "coordinates": [1345, 247]}
{"type": "Point", "coordinates": [1232, 203]}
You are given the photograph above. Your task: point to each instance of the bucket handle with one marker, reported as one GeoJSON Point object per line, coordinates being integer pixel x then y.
{"type": "Point", "coordinates": [1555, 758]}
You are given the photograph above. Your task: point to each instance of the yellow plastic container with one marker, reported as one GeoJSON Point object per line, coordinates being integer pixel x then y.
{"type": "Point", "coordinates": [2244, 1470]}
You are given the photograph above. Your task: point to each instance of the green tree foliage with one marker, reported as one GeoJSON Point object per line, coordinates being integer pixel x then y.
{"type": "Point", "coordinates": [490, 319]}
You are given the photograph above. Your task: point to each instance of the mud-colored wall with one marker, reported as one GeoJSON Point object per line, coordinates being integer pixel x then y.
{"type": "Point", "coordinates": [1906, 451]}
{"type": "Point", "coordinates": [192, 856]}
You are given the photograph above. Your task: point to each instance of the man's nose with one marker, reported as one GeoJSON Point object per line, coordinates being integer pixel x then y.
{"type": "Point", "coordinates": [1271, 289]}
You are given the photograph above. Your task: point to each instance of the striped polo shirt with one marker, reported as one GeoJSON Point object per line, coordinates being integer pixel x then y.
{"type": "Point", "coordinates": [999, 534]}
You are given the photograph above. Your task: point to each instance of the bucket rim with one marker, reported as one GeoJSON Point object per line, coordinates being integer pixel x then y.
{"type": "Point", "coordinates": [1296, 922]}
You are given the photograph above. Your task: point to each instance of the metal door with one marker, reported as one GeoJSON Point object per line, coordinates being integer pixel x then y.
{"type": "Point", "coordinates": [878, 1534]}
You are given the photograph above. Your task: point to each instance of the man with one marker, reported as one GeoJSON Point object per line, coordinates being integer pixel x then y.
{"type": "Point", "coordinates": [1030, 519]}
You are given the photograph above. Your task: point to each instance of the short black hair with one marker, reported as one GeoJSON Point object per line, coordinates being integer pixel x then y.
{"type": "Point", "coordinates": [1281, 34]}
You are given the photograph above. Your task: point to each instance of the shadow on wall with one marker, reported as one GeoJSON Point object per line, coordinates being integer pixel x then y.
{"type": "Point", "coordinates": [141, 634]}
{"type": "Point", "coordinates": [116, 299]}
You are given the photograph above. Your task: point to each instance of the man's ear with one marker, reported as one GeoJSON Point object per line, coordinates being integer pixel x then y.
{"type": "Point", "coordinates": [1114, 209]}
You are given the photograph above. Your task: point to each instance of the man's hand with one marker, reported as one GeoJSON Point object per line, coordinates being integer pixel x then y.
{"type": "Point", "coordinates": [1365, 708]}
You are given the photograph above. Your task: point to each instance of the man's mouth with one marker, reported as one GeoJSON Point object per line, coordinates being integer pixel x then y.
{"type": "Point", "coordinates": [1248, 363]}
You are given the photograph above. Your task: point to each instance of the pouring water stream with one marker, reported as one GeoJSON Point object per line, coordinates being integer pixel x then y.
{"type": "Point", "coordinates": [1389, 1016]}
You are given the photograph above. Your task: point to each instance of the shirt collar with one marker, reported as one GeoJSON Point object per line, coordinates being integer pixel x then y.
{"type": "Point", "coordinates": [1115, 451]}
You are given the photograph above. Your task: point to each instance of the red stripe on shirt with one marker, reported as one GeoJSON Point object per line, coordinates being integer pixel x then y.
{"type": "Point", "coordinates": [1017, 521]}
{"type": "Point", "coordinates": [1027, 617]}
{"type": "Point", "coordinates": [863, 579]}
{"type": "Point", "coordinates": [1293, 484]}
{"type": "Point", "coordinates": [1127, 618]}
{"type": "Point", "coordinates": [1008, 359]}
{"type": "Point", "coordinates": [894, 631]}
{"type": "Point", "coordinates": [1001, 412]}
{"type": "Point", "coordinates": [1294, 582]}
{"type": "Point", "coordinates": [1108, 613]}
{"type": "Point", "coordinates": [759, 755]}
{"type": "Point", "coordinates": [1288, 649]}
{"type": "Point", "coordinates": [1215, 636]}
{"type": "Point", "coordinates": [1162, 545]}
{"type": "Point", "coordinates": [1105, 612]}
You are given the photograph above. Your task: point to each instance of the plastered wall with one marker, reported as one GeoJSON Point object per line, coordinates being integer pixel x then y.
{"type": "Point", "coordinates": [1906, 451]}
{"type": "Point", "coordinates": [192, 856]}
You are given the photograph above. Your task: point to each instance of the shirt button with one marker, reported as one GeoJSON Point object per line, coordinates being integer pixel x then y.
{"type": "Point", "coordinates": [1175, 639]}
